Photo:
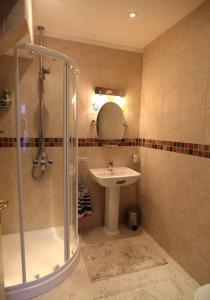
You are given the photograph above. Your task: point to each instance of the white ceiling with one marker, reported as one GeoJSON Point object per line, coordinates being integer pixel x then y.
{"type": "Point", "coordinates": [106, 22]}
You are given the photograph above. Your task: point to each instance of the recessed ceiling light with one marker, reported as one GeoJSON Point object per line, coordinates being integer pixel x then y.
{"type": "Point", "coordinates": [132, 14]}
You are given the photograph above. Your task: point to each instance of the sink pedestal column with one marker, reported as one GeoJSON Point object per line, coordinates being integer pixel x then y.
{"type": "Point", "coordinates": [112, 199]}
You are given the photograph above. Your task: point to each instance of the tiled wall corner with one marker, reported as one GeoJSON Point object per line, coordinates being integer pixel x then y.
{"type": "Point", "coordinates": [174, 193]}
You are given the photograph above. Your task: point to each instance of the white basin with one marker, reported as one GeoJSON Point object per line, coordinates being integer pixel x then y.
{"type": "Point", "coordinates": [117, 177]}
{"type": "Point", "coordinates": [112, 181]}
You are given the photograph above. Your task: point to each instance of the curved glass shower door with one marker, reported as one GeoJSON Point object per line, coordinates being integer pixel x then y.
{"type": "Point", "coordinates": [46, 162]}
{"type": "Point", "coordinates": [73, 168]}
{"type": "Point", "coordinates": [42, 165]}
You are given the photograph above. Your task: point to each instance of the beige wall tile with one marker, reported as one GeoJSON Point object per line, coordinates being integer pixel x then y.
{"type": "Point", "coordinates": [82, 105]}
{"type": "Point", "coordinates": [143, 129]}
{"type": "Point", "coordinates": [207, 128]}
{"type": "Point", "coordinates": [181, 198]}
{"type": "Point", "coordinates": [194, 91]}
{"type": "Point", "coordinates": [154, 126]}
{"type": "Point", "coordinates": [163, 162]}
{"type": "Point", "coordinates": [173, 192]}
{"type": "Point", "coordinates": [172, 95]}
{"type": "Point", "coordinates": [173, 196]}
{"type": "Point", "coordinates": [192, 126]}
{"type": "Point", "coordinates": [171, 127]}
{"type": "Point", "coordinates": [202, 244]}
{"type": "Point", "coordinates": [208, 91]}
{"type": "Point", "coordinates": [194, 171]}
{"type": "Point", "coordinates": [175, 78]}
{"type": "Point", "coordinates": [7, 122]}
{"type": "Point", "coordinates": [202, 210]}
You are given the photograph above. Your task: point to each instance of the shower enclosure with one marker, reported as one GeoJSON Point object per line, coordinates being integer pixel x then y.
{"type": "Point", "coordinates": [40, 243]}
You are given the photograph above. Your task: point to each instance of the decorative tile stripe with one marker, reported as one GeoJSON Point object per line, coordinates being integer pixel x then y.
{"type": "Point", "coordinates": [7, 142]}
{"type": "Point", "coordinates": [30, 142]}
{"type": "Point", "coordinates": [178, 147]}
{"type": "Point", "coordinates": [99, 143]}
{"type": "Point", "coordinates": [58, 142]}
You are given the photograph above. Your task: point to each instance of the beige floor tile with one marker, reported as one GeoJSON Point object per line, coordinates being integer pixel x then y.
{"type": "Point", "coordinates": [161, 290]}
{"type": "Point", "coordinates": [98, 235]}
{"type": "Point", "coordinates": [61, 292]}
{"type": "Point", "coordinates": [168, 281]}
{"type": "Point", "coordinates": [80, 274]}
{"type": "Point", "coordinates": [157, 283]}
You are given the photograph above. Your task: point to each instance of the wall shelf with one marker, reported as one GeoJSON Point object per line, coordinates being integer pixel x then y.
{"type": "Point", "coordinates": [5, 105]}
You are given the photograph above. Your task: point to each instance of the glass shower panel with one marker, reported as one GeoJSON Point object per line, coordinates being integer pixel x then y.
{"type": "Point", "coordinates": [73, 183]}
{"type": "Point", "coordinates": [11, 250]}
{"type": "Point", "coordinates": [8, 184]}
{"type": "Point", "coordinates": [41, 120]}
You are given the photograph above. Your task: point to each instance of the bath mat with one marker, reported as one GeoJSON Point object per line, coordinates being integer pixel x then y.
{"type": "Point", "coordinates": [118, 257]}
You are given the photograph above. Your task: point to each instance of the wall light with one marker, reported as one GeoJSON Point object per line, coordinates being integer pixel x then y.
{"type": "Point", "coordinates": [98, 101]}
{"type": "Point", "coordinates": [132, 14]}
{"type": "Point", "coordinates": [108, 91]}
{"type": "Point", "coordinates": [103, 95]}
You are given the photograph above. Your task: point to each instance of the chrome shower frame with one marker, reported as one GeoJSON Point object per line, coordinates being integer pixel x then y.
{"type": "Point", "coordinates": [27, 290]}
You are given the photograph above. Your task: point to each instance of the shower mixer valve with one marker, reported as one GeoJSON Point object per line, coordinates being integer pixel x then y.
{"type": "Point", "coordinates": [43, 162]}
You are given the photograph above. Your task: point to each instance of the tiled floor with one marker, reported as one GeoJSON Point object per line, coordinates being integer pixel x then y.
{"type": "Point", "coordinates": [165, 282]}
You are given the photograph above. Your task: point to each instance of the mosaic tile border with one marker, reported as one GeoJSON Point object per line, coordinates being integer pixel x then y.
{"type": "Point", "coordinates": [115, 142]}
{"type": "Point", "coordinates": [30, 142]}
{"type": "Point", "coordinates": [178, 147]}
{"type": "Point", "coordinates": [58, 142]}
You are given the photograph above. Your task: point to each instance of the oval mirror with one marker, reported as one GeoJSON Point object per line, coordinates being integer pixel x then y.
{"type": "Point", "coordinates": [110, 122]}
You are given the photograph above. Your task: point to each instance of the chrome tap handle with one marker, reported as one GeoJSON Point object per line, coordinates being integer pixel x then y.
{"type": "Point", "coordinates": [35, 162]}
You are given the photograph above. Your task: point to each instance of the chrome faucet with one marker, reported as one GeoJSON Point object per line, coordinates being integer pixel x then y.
{"type": "Point", "coordinates": [110, 165]}
{"type": "Point", "coordinates": [42, 161]}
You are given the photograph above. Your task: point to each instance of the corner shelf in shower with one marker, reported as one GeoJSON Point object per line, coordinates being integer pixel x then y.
{"type": "Point", "coordinates": [5, 105]}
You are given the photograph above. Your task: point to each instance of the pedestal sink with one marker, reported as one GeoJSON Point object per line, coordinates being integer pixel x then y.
{"type": "Point", "coordinates": [112, 181]}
